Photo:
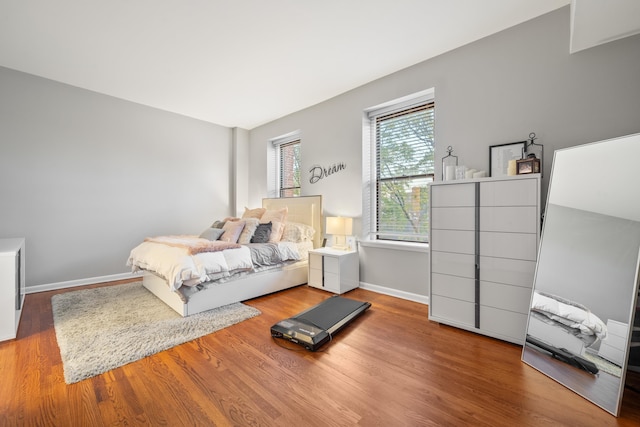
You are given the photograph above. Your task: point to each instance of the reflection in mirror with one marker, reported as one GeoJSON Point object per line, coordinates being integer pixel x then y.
{"type": "Point", "coordinates": [586, 279]}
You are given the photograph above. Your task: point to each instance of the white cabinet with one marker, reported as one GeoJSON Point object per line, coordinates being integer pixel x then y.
{"type": "Point", "coordinates": [614, 347]}
{"type": "Point", "coordinates": [334, 270]}
{"type": "Point", "coordinates": [483, 248]}
{"type": "Point", "coordinates": [12, 286]}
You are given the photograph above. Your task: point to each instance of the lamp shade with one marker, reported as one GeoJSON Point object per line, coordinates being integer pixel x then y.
{"type": "Point", "coordinates": [339, 225]}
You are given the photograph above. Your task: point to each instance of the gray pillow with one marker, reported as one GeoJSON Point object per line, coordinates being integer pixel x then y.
{"type": "Point", "coordinates": [218, 224]}
{"type": "Point", "coordinates": [262, 233]}
{"type": "Point", "coordinates": [212, 233]}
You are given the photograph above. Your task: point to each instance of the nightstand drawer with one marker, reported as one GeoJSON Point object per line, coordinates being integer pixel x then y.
{"type": "Point", "coordinates": [331, 265]}
{"type": "Point", "coordinates": [315, 261]}
{"type": "Point", "coordinates": [332, 282]}
{"type": "Point", "coordinates": [315, 278]}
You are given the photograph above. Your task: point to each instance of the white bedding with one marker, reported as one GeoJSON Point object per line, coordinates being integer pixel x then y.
{"type": "Point", "coordinates": [569, 314]}
{"type": "Point", "coordinates": [181, 269]}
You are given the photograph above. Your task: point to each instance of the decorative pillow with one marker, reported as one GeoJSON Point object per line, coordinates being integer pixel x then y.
{"type": "Point", "coordinates": [253, 213]}
{"type": "Point", "coordinates": [232, 230]}
{"type": "Point", "coordinates": [212, 233]}
{"type": "Point", "coordinates": [262, 233]}
{"type": "Point", "coordinates": [276, 231]}
{"type": "Point", "coordinates": [296, 232]}
{"type": "Point", "coordinates": [250, 225]}
{"type": "Point", "coordinates": [279, 215]}
{"type": "Point", "coordinates": [218, 224]}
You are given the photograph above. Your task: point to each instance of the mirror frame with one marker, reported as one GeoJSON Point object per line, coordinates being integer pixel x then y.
{"type": "Point", "coordinates": [617, 169]}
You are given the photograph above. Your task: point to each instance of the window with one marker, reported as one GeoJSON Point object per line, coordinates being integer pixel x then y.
{"type": "Point", "coordinates": [288, 164]}
{"type": "Point", "coordinates": [290, 169]}
{"type": "Point", "coordinates": [402, 166]}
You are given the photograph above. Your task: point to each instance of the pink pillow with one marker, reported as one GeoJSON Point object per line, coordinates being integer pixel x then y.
{"type": "Point", "coordinates": [232, 230]}
{"type": "Point", "coordinates": [276, 231]}
{"type": "Point", "coordinates": [253, 213]}
{"type": "Point", "coordinates": [250, 225]}
{"type": "Point", "coordinates": [279, 215]}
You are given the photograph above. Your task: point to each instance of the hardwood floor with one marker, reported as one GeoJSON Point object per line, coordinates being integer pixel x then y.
{"type": "Point", "coordinates": [391, 367]}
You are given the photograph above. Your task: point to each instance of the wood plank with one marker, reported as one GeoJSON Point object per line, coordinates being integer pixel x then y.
{"type": "Point", "coordinates": [392, 366]}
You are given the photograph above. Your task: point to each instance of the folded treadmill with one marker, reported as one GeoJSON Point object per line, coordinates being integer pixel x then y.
{"type": "Point", "coordinates": [316, 326]}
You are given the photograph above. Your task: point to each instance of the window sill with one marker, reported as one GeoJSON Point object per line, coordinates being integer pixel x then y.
{"type": "Point", "coordinates": [401, 246]}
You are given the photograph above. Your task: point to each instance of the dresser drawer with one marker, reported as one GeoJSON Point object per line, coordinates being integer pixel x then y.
{"type": "Point", "coordinates": [452, 310]}
{"type": "Point", "coordinates": [507, 297]}
{"type": "Point", "coordinates": [453, 241]}
{"type": "Point", "coordinates": [450, 195]}
{"type": "Point", "coordinates": [504, 323]}
{"type": "Point", "coordinates": [453, 218]}
{"type": "Point", "coordinates": [509, 271]}
{"type": "Point", "coordinates": [454, 264]}
{"type": "Point", "coordinates": [510, 192]}
{"type": "Point", "coordinates": [461, 288]}
{"type": "Point", "coordinates": [509, 245]}
{"type": "Point", "coordinates": [511, 219]}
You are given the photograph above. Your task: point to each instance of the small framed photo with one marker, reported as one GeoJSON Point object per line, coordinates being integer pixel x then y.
{"type": "Point", "coordinates": [501, 154]}
{"type": "Point", "coordinates": [528, 165]}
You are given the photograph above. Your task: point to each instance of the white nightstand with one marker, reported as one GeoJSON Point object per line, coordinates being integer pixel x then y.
{"type": "Point", "coordinates": [614, 347]}
{"type": "Point", "coordinates": [334, 270]}
{"type": "Point", "coordinates": [12, 286]}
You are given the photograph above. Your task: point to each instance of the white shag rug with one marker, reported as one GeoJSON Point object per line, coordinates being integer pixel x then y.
{"type": "Point", "coordinates": [104, 328]}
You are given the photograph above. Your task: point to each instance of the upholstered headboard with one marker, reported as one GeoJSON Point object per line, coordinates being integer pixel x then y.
{"type": "Point", "coordinates": [305, 210]}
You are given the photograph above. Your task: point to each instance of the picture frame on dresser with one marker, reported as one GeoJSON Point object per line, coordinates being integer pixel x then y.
{"type": "Point", "coordinates": [500, 154]}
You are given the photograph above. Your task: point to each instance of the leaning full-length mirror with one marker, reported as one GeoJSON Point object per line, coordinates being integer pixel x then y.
{"type": "Point", "coordinates": [584, 296]}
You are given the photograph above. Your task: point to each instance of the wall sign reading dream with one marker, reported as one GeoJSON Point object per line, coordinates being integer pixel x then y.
{"type": "Point", "coordinates": [318, 172]}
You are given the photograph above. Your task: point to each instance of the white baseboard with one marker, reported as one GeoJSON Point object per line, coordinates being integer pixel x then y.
{"type": "Point", "coordinates": [79, 282]}
{"type": "Point", "coordinates": [123, 276]}
{"type": "Point", "coordinates": [423, 299]}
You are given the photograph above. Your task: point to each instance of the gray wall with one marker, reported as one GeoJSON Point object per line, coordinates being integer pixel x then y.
{"type": "Point", "coordinates": [84, 177]}
{"type": "Point", "coordinates": [493, 91]}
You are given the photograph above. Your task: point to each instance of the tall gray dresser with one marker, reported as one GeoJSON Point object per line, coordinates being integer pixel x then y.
{"type": "Point", "coordinates": [484, 236]}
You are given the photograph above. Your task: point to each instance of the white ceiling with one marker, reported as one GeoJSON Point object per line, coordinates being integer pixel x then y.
{"type": "Point", "coordinates": [244, 62]}
{"type": "Point", "coordinates": [594, 22]}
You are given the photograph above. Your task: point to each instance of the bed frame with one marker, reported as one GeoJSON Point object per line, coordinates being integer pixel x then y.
{"type": "Point", "coordinates": [305, 210]}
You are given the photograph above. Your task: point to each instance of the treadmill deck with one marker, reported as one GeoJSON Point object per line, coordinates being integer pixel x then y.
{"type": "Point", "coordinates": [316, 326]}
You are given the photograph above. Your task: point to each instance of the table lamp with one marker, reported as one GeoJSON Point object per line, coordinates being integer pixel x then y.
{"type": "Point", "coordinates": [340, 227]}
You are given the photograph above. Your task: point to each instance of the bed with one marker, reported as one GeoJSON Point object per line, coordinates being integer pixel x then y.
{"type": "Point", "coordinates": [564, 324]}
{"type": "Point", "coordinates": [191, 295]}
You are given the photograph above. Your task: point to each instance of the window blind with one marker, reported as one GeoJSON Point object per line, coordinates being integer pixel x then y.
{"type": "Point", "coordinates": [289, 154]}
{"type": "Point", "coordinates": [404, 144]}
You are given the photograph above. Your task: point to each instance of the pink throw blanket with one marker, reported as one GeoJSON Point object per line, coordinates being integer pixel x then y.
{"type": "Point", "coordinates": [193, 244]}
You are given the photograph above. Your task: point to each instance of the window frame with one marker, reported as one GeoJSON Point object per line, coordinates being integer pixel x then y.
{"type": "Point", "coordinates": [279, 144]}
{"type": "Point", "coordinates": [370, 175]}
